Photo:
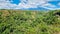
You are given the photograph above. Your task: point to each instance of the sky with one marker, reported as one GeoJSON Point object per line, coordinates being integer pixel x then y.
{"type": "Point", "coordinates": [30, 4]}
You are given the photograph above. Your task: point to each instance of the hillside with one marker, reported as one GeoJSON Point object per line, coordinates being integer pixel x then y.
{"type": "Point", "coordinates": [29, 22]}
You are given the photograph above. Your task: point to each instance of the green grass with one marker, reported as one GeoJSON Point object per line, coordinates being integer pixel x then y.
{"type": "Point", "coordinates": [29, 22]}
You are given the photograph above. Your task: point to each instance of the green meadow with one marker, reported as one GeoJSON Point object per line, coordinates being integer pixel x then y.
{"type": "Point", "coordinates": [29, 22]}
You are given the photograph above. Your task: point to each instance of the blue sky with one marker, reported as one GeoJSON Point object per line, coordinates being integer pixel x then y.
{"type": "Point", "coordinates": [30, 4]}
{"type": "Point", "coordinates": [15, 1]}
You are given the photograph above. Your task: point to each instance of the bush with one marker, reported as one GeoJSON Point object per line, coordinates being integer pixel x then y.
{"type": "Point", "coordinates": [29, 22]}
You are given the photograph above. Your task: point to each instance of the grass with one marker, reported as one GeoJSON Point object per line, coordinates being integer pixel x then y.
{"type": "Point", "coordinates": [29, 22]}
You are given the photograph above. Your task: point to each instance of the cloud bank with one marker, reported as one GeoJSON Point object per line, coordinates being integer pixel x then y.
{"type": "Point", "coordinates": [26, 4]}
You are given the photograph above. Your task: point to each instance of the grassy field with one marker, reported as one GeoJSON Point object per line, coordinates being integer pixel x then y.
{"type": "Point", "coordinates": [29, 22]}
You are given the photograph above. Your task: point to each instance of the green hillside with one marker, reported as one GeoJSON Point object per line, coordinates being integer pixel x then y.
{"type": "Point", "coordinates": [29, 22]}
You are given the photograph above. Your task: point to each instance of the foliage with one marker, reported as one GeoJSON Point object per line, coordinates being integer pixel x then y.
{"type": "Point", "coordinates": [29, 22]}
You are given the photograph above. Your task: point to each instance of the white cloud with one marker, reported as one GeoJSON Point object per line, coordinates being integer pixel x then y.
{"type": "Point", "coordinates": [53, 0]}
{"type": "Point", "coordinates": [5, 4]}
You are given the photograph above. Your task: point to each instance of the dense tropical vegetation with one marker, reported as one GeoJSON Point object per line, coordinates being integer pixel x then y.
{"type": "Point", "coordinates": [29, 22]}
